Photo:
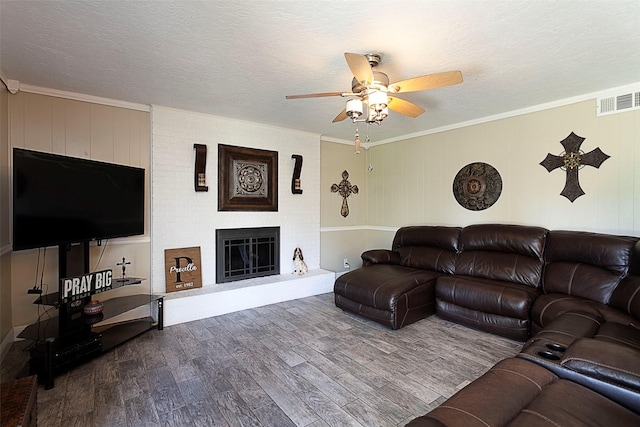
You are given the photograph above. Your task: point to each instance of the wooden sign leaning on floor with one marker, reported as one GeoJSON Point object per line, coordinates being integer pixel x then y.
{"type": "Point", "coordinates": [182, 269]}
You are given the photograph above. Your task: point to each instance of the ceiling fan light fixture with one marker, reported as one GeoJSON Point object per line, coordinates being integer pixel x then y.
{"type": "Point", "coordinates": [378, 101]}
{"type": "Point", "coordinates": [377, 116]}
{"type": "Point", "coordinates": [370, 89]}
{"type": "Point", "coordinates": [354, 108]}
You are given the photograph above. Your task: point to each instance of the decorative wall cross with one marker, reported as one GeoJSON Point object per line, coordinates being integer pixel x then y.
{"type": "Point", "coordinates": [345, 189]}
{"type": "Point", "coordinates": [572, 159]}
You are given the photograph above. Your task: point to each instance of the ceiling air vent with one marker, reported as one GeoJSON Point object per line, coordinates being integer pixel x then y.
{"type": "Point", "coordinates": [619, 103]}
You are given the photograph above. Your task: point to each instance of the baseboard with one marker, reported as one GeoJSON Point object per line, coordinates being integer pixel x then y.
{"type": "Point", "coordinates": [215, 300]}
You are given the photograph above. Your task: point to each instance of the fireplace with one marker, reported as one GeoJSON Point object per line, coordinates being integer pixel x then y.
{"type": "Point", "coordinates": [243, 253]}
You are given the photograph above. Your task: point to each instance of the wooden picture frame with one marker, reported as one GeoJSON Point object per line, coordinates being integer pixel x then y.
{"type": "Point", "coordinates": [247, 179]}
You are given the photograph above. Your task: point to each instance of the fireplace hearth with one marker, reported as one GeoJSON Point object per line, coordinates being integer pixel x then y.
{"type": "Point", "coordinates": [244, 253]}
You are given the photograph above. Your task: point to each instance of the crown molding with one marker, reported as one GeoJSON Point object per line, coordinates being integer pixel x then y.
{"type": "Point", "coordinates": [336, 140]}
{"type": "Point", "coordinates": [527, 110]}
{"type": "Point", "coordinates": [365, 145]}
{"type": "Point", "coordinates": [82, 97]}
{"type": "Point", "coordinates": [240, 121]}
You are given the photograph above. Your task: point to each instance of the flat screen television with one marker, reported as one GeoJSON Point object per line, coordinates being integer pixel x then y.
{"type": "Point", "coordinates": [60, 199]}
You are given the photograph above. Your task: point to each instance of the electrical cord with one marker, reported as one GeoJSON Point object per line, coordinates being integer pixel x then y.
{"type": "Point", "coordinates": [41, 330]}
{"type": "Point", "coordinates": [44, 264]}
{"type": "Point", "coordinates": [35, 289]}
{"type": "Point", "coordinates": [101, 254]}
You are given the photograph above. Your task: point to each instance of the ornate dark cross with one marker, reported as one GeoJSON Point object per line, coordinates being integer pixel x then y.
{"type": "Point", "coordinates": [124, 264]}
{"type": "Point", "coordinates": [345, 189]}
{"type": "Point", "coordinates": [572, 159]}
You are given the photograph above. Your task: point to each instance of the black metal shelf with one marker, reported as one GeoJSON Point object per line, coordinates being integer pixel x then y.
{"type": "Point", "coordinates": [117, 333]}
{"type": "Point", "coordinates": [71, 337]}
{"type": "Point", "coordinates": [53, 328]}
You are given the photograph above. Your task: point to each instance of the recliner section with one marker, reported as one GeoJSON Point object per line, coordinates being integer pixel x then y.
{"type": "Point", "coordinates": [396, 287]}
{"type": "Point", "coordinates": [517, 392]}
{"type": "Point", "coordinates": [496, 279]}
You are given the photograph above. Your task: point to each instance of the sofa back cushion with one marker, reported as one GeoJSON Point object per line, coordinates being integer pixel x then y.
{"type": "Point", "coordinates": [587, 265]}
{"type": "Point", "coordinates": [427, 247]}
{"type": "Point", "coordinates": [626, 296]}
{"type": "Point", "coordinates": [510, 253]}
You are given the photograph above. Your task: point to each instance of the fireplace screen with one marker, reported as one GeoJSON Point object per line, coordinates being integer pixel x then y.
{"type": "Point", "coordinates": [243, 253]}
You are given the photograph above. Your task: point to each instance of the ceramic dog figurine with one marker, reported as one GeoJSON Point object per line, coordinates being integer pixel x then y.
{"type": "Point", "coordinates": [299, 266]}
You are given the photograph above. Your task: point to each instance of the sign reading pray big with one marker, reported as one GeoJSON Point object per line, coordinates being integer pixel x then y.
{"type": "Point", "coordinates": [75, 288]}
{"type": "Point", "coordinates": [182, 269]}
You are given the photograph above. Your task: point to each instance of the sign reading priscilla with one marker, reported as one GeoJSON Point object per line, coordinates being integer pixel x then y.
{"type": "Point", "coordinates": [182, 269]}
{"type": "Point", "coordinates": [74, 288]}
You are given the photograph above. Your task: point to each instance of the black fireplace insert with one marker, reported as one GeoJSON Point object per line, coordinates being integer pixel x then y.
{"type": "Point", "coordinates": [243, 253]}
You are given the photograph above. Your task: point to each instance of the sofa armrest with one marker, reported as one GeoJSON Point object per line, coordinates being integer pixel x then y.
{"type": "Point", "coordinates": [379, 256]}
{"type": "Point", "coordinates": [609, 362]}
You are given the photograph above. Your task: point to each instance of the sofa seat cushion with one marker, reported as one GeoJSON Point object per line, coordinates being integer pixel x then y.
{"type": "Point", "coordinates": [392, 295]}
{"type": "Point", "coordinates": [380, 286]}
{"type": "Point", "coordinates": [500, 308]}
{"type": "Point", "coordinates": [547, 307]}
{"type": "Point", "coordinates": [487, 296]}
{"type": "Point", "coordinates": [516, 392]}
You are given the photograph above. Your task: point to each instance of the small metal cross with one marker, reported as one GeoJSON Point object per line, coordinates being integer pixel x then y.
{"type": "Point", "coordinates": [571, 160]}
{"type": "Point", "coordinates": [124, 264]}
{"type": "Point", "coordinates": [345, 189]}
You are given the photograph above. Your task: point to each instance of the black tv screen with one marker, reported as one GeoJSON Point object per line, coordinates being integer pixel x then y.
{"type": "Point", "coordinates": [60, 199]}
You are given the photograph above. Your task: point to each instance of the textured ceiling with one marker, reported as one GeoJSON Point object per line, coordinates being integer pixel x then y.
{"type": "Point", "coordinates": [240, 58]}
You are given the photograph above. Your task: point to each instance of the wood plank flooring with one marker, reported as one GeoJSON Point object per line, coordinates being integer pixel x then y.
{"type": "Point", "coordinates": [297, 363]}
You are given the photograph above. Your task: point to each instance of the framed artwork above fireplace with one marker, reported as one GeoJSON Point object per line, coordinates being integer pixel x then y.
{"type": "Point", "coordinates": [248, 179]}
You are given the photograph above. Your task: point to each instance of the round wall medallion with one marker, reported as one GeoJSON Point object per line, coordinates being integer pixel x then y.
{"type": "Point", "coordinates": [477, 186]}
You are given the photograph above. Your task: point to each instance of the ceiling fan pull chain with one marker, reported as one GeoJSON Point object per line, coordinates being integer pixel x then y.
{"type": "Point", "coordinates": [357, 141]}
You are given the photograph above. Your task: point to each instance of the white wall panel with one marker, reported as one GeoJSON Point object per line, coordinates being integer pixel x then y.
{"type": "Point", "coordinates": [183, 217]}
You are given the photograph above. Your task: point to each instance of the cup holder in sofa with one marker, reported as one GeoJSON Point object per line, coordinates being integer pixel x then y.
{"type": "Point", "coordinates": [556, 347]}
{"type": "Point", "coordinates": [546, 354]}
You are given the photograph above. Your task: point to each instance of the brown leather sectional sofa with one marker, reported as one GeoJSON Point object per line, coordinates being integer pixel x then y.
{"type": "Point", "coordinates": [574, 297]}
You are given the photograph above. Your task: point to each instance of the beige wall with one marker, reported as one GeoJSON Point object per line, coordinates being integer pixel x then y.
{"type": "Point", "coordinates": [342, 237]}
{"type": "Point", "coordinates": [5, 254]}
{"type": "Point", "coordinates": [86, 130]}
{"type": "Point", "coordinates": [412, 180]}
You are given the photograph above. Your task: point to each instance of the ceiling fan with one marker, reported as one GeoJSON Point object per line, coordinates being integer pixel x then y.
{"type": "Point", "coordinates": [372, 95]}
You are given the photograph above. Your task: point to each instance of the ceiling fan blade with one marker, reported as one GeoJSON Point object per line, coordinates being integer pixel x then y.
{"type": "Point", "coordinates": [340, 117]}
{"type": "Point", "coordinates": [430, 81]}
{"type": "Point", "coordinates": [405, 107]}
{"type": "Point", "coordinates": [360, 67]}
{"type": "Point", "coordinates": [315, 95]}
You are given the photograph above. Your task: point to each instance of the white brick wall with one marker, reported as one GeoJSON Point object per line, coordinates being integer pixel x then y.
{"type": "Point", "coordinates": [182, 217]}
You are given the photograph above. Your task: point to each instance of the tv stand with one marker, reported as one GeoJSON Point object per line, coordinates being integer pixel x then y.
{"type": "Point", "coordinates": [72, 337]}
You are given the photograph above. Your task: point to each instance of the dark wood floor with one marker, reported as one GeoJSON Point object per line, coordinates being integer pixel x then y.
{"type": "Point", "coordinates": [296, 363]}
